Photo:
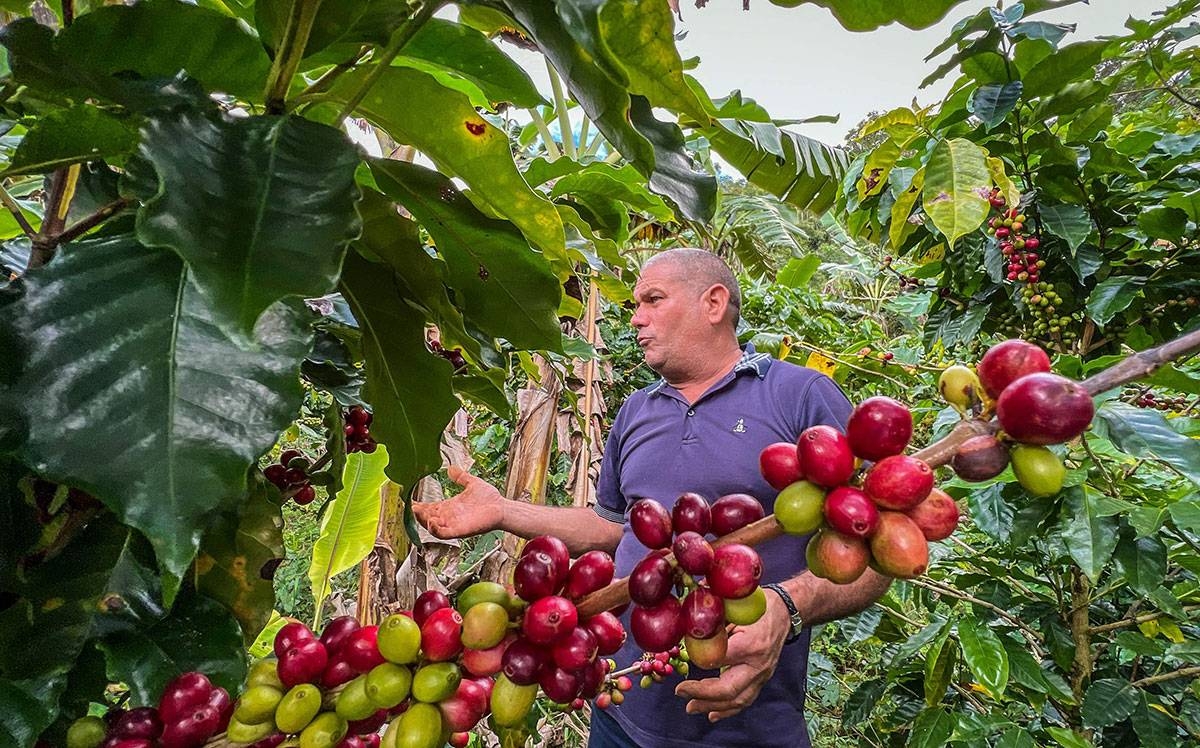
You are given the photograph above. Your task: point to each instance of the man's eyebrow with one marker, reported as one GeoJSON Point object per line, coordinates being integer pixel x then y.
{"type": "Point", "coordinates": [647, 290]}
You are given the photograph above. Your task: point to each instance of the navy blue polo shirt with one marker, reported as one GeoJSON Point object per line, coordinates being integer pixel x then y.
{"type": "Point", "coordinates": [659, 447]}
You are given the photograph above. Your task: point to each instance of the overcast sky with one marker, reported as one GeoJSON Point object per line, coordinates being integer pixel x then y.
{"type": "Point", "coordinates": [799, 62]}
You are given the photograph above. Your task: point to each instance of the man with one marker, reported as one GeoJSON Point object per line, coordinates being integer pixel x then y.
{"type": "Point", "coordinates": [699, 429]}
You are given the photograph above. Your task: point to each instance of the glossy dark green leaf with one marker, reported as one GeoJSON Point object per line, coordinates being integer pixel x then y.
{"type": "Point", "coordinates": [408, 387]}
{"type": "Point", "coordinates": [1068, 64]}
{"type": "Point", "coordinates": [102, 582]}
{"type": "Point", "coordinates": [993, 102]}
{"type": "Point", "coordinates": [203, 405]}
{"type": "Point", "coordinates": [622, 184]}
{"type": "Point", "coordinates": [1143, 561]}
{"type": "Point", "coordinates": [238, 555]}
{"type": "Point", "coordinates": [1108, 701]}
{"type": "Point", "coordinates": [22, 716]}
{"type": "Point", "coordinates": [487, 389]}
{"type": "Point", "coordinates": [1142, 432]}
{"type": "Point", "coordinates": [1113, 296]}
{"type": "Point", "coordinates": [259, 207]}
{"type": "Point", "coordinates": [1152, 726]}
{"type": "Point", "coordinates": [334, 19]}
{"type": "Point", "coordinates": [984, 655]}
{"type": "Point", "coordinates": [635, 41]}
{"type": "Point", "coordinates": [1137, 643]}
{"type": "Point", "coordinates": [990, 512]}
{"type": "Point", "coordinates": [862, 626]}
{"type": "Point", "coordinates": [1086, 262]}
{"type": "Point", "coordinates": [862, 702]}
{"type": "Point", "coordinates": [932, 728]}
{"type": "Point", "coordinates": [1188, 202]}
{"type": "Point", "coordinates": [1016, 737]}
{"type": "Point", "coordinates": [149, 39]}
{"type": "Point", "coordinates": [940, 664]}
{"type": "Point", "coordinates": [506, 288]}
{"type": "Point", "coordinates": [199, 634]}
{"type": "Point", "coordinates": [421, 277]}
{"type": "Point", "coordinates": [1162, 222]}
{"type": "Point", "coordinates": [465, 53]}
{"type": "Point", "coordinates": [448, 130]}
{"type": "Point", "coordinates": [67, 136]}
{"type": "Point", "coordinates": [654, 147]}
{"type": "Point", "coordinates": [1071, 222]}
{"type": "Point", "coordinates": [1090, 538]}
{"type": "Point", "coordinates": [857, 15]}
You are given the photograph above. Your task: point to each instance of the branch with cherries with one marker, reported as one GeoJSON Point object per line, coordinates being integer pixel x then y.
{"type": "Point", "coordinates": [425, 677]}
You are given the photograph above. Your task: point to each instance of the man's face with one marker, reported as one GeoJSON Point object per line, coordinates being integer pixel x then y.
{"type": "Point", "coordinates": [668, 319]}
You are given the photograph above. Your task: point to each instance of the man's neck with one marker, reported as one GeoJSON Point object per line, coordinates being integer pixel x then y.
{"type": "Point", "coordinates": [694, 386]}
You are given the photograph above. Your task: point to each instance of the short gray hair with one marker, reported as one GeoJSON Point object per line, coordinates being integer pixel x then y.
{"type": "Point", "coordinates": [702, 269]}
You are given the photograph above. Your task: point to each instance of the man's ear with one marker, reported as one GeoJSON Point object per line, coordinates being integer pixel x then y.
{"type": "Point", "coordinates": [716, 302]}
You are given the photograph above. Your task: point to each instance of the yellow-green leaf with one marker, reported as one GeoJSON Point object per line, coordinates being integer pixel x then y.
{"type": "Point", "coordinates": [447, 129]}
{"type": "Point", "coordinates": [899, 228]}
{"type": "Point", "coordinates": [956, 188]}
{"type": "Point", "coordinates": [1000, 178]}
{"type": "Point", "coordinates": [875, 171]}
{"type": "Point", "coordinates": [350, 523]}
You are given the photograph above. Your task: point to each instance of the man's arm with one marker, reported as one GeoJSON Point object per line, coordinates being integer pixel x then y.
{"type": "Point", "coordinates": [754, 650]}
{"type": "Point", "coordinates": [480, 508]}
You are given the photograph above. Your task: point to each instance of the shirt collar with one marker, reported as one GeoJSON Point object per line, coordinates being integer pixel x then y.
{"type": "Point", "coordinates": [751, 361]}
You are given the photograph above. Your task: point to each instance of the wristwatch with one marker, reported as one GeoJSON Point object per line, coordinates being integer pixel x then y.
{"type": "Point", "coordinates": [794, 617]}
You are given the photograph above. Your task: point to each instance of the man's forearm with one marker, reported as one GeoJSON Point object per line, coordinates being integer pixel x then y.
{"type": "Point", "coordinates": [821, 601]}
{"type": "Point", "coordinates": [579, 527]}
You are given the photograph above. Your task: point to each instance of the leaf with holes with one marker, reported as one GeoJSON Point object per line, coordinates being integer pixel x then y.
{"type": "Point", "coordinates": [203, 405]}
{"type": "Point", "coordinates": [349, 522]}
{"type": "Point", "coordinates": [259, 207]}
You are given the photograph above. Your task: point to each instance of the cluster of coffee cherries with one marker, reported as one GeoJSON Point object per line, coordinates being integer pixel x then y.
{"type": "Point", "coordinates": [883, 517]}
{"type": "Point", "coordinates": [290, 475]}
{"type": "Point", "coordinates": [719, 582]}
{"type": "Point", "coordinates": [453, 355]}
{"type": "Point", "coordinates": [907, 282]}
{"type": "Point", "coordinates": [655, 666]}
{"type": "Point", "coordinates": [555, 649]}
{"type": "Point", "coordinates": [1044, 303]}
{"type": "Point", "coordinates": [1034, 407]}
{"type": "Point", "coordinates": [190, 711]}
{"type": "Point", "coordinates": [1149, 399]}
{"type": "Point", "coordinates": [1020, 251]}
{"type": "Point", "coordinates": [358, 430]}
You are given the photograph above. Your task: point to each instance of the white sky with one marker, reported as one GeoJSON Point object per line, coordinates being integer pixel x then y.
{"type": "Point", "coordinates": [799, 62]}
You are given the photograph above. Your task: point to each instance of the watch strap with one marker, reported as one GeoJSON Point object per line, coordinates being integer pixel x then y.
{"type": "Point", "coordinates": [794, 617]}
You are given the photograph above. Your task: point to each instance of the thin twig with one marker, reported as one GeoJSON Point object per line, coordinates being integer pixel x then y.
{"type": "Point", "coordinates": [1029, 633]}
{"type": "Point", "coordinates": [399, 39]}
{"type": "Point", "coordinates": [15, 208]}
{"type": "Point", "coordinates": [1136, 620]}
{"type": "Point", "coordinates": [90, 222]}
{"type": "Point", "coordinates": [1181, 673]}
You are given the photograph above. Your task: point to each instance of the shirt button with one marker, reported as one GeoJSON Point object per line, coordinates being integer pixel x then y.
{"type": "Point", "coordinates": [691, 411]}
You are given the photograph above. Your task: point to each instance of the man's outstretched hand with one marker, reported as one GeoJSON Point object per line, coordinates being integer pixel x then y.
{"type": "Point", "coordinates": [752, 656]}
{"type": "Point", "coordinates": [478, 508]}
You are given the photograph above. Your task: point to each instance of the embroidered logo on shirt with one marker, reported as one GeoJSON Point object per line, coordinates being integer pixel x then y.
{"type": "Point", "coordinates": [740, 426]}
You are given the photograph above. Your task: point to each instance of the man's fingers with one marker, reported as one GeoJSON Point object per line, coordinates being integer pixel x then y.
{"type": "Point", "coordinates": [459, 476]}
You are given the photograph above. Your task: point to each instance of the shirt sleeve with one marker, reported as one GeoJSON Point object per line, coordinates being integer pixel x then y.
{"type": "Point", "coordinates": [824, 403]}
{"type": "Point", "coordinates": [610, 502]}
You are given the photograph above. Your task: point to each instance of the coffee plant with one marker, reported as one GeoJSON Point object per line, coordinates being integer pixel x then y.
{"type": "Point", "coordinates": [217, 303]}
